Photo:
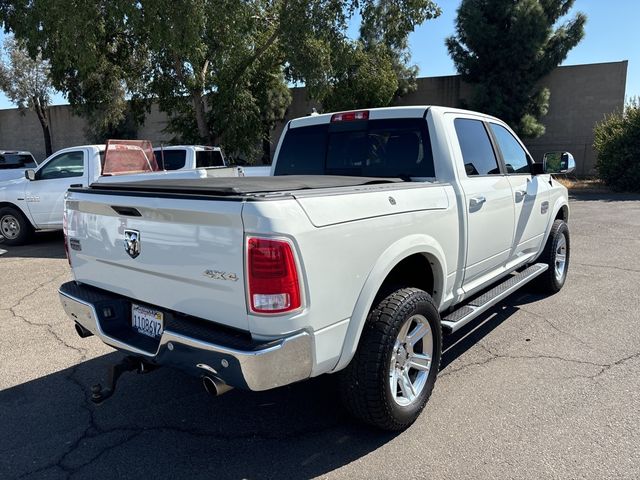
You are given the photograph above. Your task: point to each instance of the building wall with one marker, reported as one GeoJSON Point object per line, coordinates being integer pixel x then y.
{"type": "Point", "coordinates": [581, 95]}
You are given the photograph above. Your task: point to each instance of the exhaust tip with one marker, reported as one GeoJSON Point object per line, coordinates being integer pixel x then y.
{"type": "Point", "coordinates": [214, 386]}
{"type": "Point", "coordinates": [82, 332]}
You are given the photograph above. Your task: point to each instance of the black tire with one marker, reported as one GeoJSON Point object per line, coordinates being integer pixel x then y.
{"type": "Point", "coordinates": [550, 282]}
{"type": "Point", "coordinates": [14, 227]}
{"type": "Point", "coordinates": [365, 383]}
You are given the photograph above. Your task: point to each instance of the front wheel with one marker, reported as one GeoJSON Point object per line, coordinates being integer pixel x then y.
{"type": "Point", "coordinates": [14, 227]}
{"type": "Point", "coordinates": [390, 378]}
{"type": "Point", "coordinates": [556, 255]}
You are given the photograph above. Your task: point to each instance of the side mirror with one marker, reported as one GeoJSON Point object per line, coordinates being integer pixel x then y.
{"type": "Point", "coordinates": [30, 174]}
{"type": "Point", "coordinates": [558, 163]}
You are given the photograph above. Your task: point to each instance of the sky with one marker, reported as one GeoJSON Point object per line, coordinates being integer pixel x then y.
{"type": "Point", "coordinates": [612, 35]}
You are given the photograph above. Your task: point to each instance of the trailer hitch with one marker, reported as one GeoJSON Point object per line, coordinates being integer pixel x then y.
{"type": "Point", "coordinates": [127, 364]}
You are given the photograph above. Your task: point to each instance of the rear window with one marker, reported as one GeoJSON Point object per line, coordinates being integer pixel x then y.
{"type": "Point", "coordinates": [16, 160]}
{"type": "Point", "coordinates": [209, 158]}
{"type": "Point", "coordinates": [170, 159]}
{"type": "Point", "coordinates": [374, 148]}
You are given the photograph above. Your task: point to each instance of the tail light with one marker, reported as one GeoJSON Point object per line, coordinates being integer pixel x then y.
{"type": "Point", "coordinates": [272, 276]}
{"type": "Point", "coordinates": [350, 116]}
{"type": "Point", "coordinates": [65, 231]}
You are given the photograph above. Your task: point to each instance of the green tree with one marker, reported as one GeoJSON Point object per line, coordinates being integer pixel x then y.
{"type": "Point", "coordinates": [26, 83]}
{"type": "Point", "coordinates": [504, 47]}
{"type": "Point", "coordinates": [218, 67]}
{"type": "Point", "coordinates": [94, 56]}
{"type": "Point", "coordinates": [617, 142]}
{"type": "Point", "coordinates": [375, 69]}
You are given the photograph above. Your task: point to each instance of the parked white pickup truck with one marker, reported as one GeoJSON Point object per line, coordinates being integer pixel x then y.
{"type": "Point", "coordinates": [13, 163]}
{"type": "Point", "coordinates": [380, 230]}
{"type": "Point", "coordinates": [36, 201]}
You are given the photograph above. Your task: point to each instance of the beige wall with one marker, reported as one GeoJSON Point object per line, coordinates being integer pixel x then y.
{"type": "Point", "coordinates": [581, 95]}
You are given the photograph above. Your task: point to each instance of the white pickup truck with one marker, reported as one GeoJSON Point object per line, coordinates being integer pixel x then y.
{"type": "Point", "coordinates": [13, 163]}
{"type": "Point", "coordinates": [380, 230]}
{"type": "Point", "coordinates": [34, 199]}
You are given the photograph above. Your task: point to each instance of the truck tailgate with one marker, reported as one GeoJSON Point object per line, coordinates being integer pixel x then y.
{"type": "Point", "coordinates": [190, 257]}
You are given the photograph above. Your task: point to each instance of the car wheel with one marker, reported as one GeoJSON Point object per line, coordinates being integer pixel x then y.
{"type": "Point", "coordinates": [556, 255]}
{"type": "Point", "coordinates": [390, 378]}
{"type": "Point", "coordinates": [14, 227]}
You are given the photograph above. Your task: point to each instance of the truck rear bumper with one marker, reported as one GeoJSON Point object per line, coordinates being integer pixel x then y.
{"type": "Point", "coordinates": [197, 346]}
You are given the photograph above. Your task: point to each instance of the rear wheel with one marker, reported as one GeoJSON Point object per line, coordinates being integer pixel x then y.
{"type": "Point", "coordinates": [390, 379]}
{"type": "Point", "coordinates": [556, 255]}
{"type": "Point", "coordinates": [14, 227]}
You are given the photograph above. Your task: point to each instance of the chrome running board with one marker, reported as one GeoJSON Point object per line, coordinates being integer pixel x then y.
{"type": "Point", "coordinates": [467, 312]}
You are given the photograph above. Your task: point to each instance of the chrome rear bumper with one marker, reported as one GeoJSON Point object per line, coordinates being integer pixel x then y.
{"type": "Point", "coordinates": [259, 366]}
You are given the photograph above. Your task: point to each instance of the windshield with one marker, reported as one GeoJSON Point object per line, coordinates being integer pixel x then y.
{"type": "Point", "coordinates": [16, 160]}
{"type": "Point", "coordinates": [374, 148]}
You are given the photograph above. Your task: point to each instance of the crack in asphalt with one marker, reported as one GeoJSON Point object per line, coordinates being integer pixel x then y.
{"type": "Point", "coordinates": [604, 367]}
{"type": "Point", "coordinates": [47, 326]}
{"type": "Point", "coordinates": [558, 329]}
{"type": "Point", "coordinates": [136, 432]}
{"type": "Point", "coordinates": [606, 266]}
{"type": "Point", "coordinates": [93, 430]}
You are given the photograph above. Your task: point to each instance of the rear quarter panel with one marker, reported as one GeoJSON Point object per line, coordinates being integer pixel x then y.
{"type": "Point", "coordinates": [345, 259]}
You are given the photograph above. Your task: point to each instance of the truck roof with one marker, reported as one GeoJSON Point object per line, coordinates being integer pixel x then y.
{"type": "Point", "coordinates": [14, 152]}
{"type": "Point", "coordinates": [413, 111]}
{"type": "Point", "coordinates": [182, 147]}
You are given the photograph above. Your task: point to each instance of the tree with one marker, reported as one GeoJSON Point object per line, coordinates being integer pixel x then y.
{"type": "Point", "coordinates": [505, 47]}
{"type": "Point", "coordinates": [95, 59]}
{"type": "Point", "coordinates": [26, 83]}
{"type": "Point", "coordinates": [220, 68]}
{"type": "Point", "coordinates": [617, 142]}
{"type": "Point", "coordinates": [374, 70]}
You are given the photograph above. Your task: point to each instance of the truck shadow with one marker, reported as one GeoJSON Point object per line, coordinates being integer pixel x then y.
{"type": "Point", "coordinates": [43, 245]}
{"type": "Point", "coordinates": [163, 425]}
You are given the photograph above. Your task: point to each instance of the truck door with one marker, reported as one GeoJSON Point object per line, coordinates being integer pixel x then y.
{"type": "Point", "coordinates": [530, 194]}
{"type": "Point", "coordinates": [488, 201]}
{"type": "Point", "coordinates": [45, 194]}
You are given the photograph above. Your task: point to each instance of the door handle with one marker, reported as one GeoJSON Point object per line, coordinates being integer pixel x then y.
{"type": "Point", "coordinates": [75, 185]}
{"type": "Point", "coordinates": [477, 201]}
{"type": "Point", "coordinates": [520, 194]}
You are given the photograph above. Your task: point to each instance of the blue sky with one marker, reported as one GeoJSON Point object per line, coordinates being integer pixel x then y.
{"type": "Point", "coordinates": [612, 34]}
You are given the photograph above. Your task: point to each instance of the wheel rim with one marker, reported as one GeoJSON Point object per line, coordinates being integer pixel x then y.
{"type": "Point", "coordinates": [561, 257]}
{"type": "Point", "coordinates": [9, 227]}
{"type": "Point", "coordinates": [411, 360]}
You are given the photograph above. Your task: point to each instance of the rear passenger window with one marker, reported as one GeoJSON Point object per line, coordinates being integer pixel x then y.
{"type": "Point", "coordinates": [170, 159]}
{"type": "Point", "coordinates": [515, 157]}
{"type": "Point", "coordinates": [477, 151]}
{"type": "Point", "coordinates": [209, 158]}
{"type": "Point", "coordinates": [303, 151]}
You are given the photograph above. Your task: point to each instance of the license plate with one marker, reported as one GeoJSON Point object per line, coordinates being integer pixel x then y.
{"type": "Point", "coordinates": [146, 320]}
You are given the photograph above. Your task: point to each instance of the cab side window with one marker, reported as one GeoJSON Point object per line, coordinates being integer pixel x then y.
{"type": "Point", "coordinates": [515, 157]}
{"type": "Point", "coordinates": [65, 165]}
{"type": "Point", "coordinates": [477, 151]}
{"type": "Point", "coordinates": [209, 158]}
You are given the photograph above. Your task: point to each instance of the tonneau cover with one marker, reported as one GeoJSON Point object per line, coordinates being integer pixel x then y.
{"type": "Point", "coordinates": [242, 185]}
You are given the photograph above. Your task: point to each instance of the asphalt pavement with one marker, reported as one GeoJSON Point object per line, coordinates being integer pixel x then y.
{"type": "Point", "coordinates": [536, 388]}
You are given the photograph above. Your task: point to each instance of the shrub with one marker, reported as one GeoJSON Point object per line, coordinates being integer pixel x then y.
{"type": "Point", "coordinates": [617, 142]}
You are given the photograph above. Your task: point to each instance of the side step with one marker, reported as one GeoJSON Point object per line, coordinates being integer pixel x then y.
{"type": "Point", "coordinates": [463, 315]}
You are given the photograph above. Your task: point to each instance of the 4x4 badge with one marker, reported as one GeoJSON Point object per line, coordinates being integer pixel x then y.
{"type": "Point", "coordinates": [132, 242]}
